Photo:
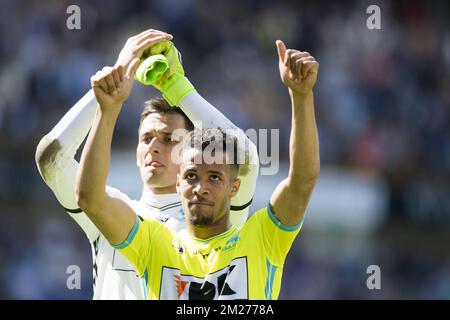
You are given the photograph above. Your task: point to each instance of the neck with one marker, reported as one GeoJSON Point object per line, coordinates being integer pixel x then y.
{"type": "Point", "coordinates": [220, 226]}
{"type": "Point", "coordinates": [161, 190]}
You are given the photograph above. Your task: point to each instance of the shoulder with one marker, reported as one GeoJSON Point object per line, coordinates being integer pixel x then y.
{"type": "Point", "coordinates": [265, 217]}
{"type": "Point", "coordinates": [155, 227]}
{"type": "Point", "coordinates": [255, 220]}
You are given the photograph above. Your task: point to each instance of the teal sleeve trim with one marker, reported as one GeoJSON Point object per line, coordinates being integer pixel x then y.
{"type": "Point", "coordinates": [145, 283]}
{"type": "Point", "coordinates": [130, 237]}
{"type": "Point", "coordinates": [271, 269]}
{"type": "Point", "coordinates": [278, 222]}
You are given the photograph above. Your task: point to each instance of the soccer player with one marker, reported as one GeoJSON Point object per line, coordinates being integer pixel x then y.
{"type": "Point", "coordinates": [114, 276]}
{"type": "Point", "coordinates": [212, 259]}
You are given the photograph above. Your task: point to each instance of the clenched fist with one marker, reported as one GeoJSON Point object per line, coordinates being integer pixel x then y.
{"type": "Point", "coordinates": [112, 86]}
{"type": "Point", "coordinates": [298, 69]}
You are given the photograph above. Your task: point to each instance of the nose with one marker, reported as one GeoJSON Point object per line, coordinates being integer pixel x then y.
{"type": "Point", "coordinates": [154, 145]}
{"type": "Point", "coordinates": [201, 189]}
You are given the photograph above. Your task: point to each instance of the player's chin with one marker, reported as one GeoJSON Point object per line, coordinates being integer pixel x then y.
{"type": "Point", "coordinates": [201, 220]}
{"type": "Point", "coordinates": [201, 216]}
{"type": "Point", "coordinates": [156, 178]}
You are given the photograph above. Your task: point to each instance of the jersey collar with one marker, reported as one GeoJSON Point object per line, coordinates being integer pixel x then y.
{"type": "Point", "coordinates": [219, 236]}
{"type": "Point", "coordinates": [159, 200]}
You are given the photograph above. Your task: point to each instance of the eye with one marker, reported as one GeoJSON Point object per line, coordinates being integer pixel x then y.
{"type": "Point", "coordinates": [215, 177]}
{"type": "Point", "coordinates": [168, 139]}
{"type": "Point", "coordinates": [190, 176]}
{"type": "Point", "coordinates": [147, 139]}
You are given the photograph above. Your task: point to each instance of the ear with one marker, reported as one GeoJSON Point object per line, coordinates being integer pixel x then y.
{"type": "Point", "coordinates": [137, 158]}
{"type": "Point", "coordinates": [235, 187]}
{"type": "Point", "coordinates": [177, 184]}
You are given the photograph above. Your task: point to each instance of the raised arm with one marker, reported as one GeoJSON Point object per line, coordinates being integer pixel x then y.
{"type": "Point", "coordinates": [112, 86]}
{"type": "Point", "coordinates": [55, 158]}
{"type": "Point", "coordinates": [61, 144]}
{"type": "Point", "coordinates": [55, 153]}
{"type": "Point", "coordinates": [298, 71]}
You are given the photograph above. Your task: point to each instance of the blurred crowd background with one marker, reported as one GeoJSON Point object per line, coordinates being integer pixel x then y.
{"type": "Point", "coordinates": [382, 107]}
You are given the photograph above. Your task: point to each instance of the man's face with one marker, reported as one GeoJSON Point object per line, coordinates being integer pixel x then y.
{"type": "Point", "coordinates": [206, 189]}
{"type": "Point", "coordinates": [154, 151]}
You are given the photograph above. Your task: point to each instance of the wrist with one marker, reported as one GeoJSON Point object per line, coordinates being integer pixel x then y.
{"type": "Point", "coordinates": [176, 88]}
{"type": "Point", "coordinates": [300, 94]}
{"type": "Point", "coordinates": [110, 110]}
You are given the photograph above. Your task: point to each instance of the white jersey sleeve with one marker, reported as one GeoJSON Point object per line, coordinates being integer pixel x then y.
{"type": "Point", "coordinates": [63, 186]}
{"type": "Point", "coordinates": [62, 181]}
{"type": "Point", "coordinates": [60, 169]}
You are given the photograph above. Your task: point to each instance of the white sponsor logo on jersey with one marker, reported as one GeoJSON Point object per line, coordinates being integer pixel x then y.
{"type": "Point", "coordinates": [228, 283]}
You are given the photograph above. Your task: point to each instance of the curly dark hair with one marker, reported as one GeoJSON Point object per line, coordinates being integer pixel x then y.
{"type": "Point", "coordinates": [217, 139]}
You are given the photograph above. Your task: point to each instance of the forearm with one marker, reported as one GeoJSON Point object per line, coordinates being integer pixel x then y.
{"type": "Point", "coordinates": [304, 143]}
{"type": "Point", "coordinates": [199, 109]}
{"type": "Point", "coordinates": [95, 159]}
{"type": "Point", "coordinates": [73, 127]}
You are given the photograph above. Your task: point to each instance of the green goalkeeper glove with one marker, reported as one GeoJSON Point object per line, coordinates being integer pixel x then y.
{"type": "Point", "coordinates": [173, 84]}
{"type": "Point", "coordinates": [151, 69]}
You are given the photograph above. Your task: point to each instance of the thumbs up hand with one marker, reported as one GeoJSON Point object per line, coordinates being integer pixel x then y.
{"type": "Point", "coordinates": [298, 69]}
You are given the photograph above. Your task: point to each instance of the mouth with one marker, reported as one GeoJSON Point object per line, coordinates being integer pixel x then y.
{"type": "Point", "coordinates": [155, 164]}
{"type": "Point", "coordinates": [201, 203]}
{"type": "Point", "coordinates": [149, 162]}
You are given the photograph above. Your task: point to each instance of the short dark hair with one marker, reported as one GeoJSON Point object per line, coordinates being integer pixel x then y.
{"type": "Point", "coordinates": [159, 105]}
{"type": "Point", "coordinates": [218, 139]}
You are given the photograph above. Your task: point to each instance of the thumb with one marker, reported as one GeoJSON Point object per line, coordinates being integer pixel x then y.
{"type": "Point", "coordinates": [132, 68]}
{"type": "Point", "coordinates": [281, 48]}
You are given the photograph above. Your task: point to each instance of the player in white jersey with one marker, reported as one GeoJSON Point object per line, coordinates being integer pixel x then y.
{"type": "Point", "coordinates": [114, 276]}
